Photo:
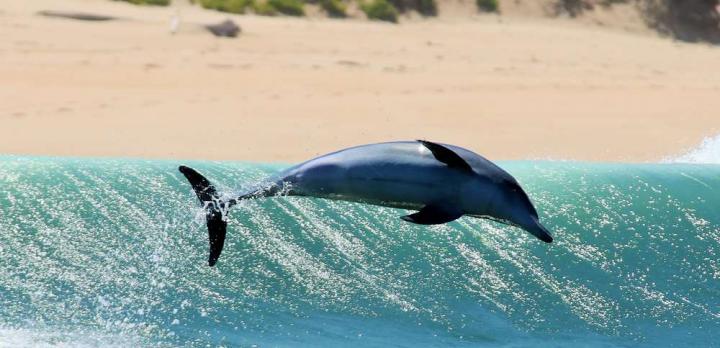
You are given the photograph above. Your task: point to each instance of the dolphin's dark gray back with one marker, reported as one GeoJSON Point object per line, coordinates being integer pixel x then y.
{"type": "Point", "coordinates": [410, 152]}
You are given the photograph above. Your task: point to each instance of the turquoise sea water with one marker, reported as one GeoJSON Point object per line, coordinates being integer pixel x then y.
{"type": "Point", "coordinates": [113, 253]}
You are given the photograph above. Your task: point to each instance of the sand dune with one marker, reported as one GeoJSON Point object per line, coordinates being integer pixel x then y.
{"type": "Point", "coordinates": [510, 87]}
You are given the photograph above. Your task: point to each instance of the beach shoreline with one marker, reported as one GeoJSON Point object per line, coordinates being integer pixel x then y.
{"type": "Point", "coordinates": [289, 89]}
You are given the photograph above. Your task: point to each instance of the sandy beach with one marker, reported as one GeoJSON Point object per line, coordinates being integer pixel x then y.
{"type": "Point", "coordinates": [508, 87]}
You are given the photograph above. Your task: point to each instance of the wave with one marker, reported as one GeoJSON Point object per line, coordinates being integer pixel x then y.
{"type": "Point", "coordinates": [34, 337]}
{"type": "Point", "coordinates": [117, 249]}
{"type": "Point", "coordinates": [707, 152]}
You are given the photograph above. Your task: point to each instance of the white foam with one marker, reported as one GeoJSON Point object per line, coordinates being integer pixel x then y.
{"type": "Point", "coordinates": [18, 338]}
{"type": "Point", "coordinates": [707, 152]}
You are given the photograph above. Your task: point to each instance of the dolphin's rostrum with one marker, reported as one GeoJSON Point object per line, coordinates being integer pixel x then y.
{"type": "Point", "coordinates": [442, 182]}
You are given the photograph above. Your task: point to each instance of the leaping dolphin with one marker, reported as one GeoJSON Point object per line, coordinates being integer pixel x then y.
{"type": "Point", "coordinates": [442, 182]}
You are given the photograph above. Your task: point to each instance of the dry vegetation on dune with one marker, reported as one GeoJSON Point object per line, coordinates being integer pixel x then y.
{"type": "Point", "coordinates": [688, 20]}
{"type": "Point", "coordinates": [149, 2]}
{"type": "Point", "coordinates": [383, 10]}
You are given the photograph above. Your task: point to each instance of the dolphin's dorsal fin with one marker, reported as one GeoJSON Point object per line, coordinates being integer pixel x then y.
{"type": "Point", "coordinates": [434, 214]}
{"type": "Point", "coordinates": [447, 156]}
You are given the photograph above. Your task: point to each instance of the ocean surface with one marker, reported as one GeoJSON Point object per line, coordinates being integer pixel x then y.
{"type": "Point", "coordinates": [112, 253]}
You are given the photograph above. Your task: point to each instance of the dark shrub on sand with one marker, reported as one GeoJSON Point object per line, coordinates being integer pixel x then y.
{"type": "Point", "coordinates": [288, 7]}
{"type": "Point", "coordinates": [487, 5]}
{"type": "Point", "coordinates": [572, 7]}
{"type": "Point", "coordinates": [334, 8]}
{"type": "Point", "coordinates": [226, 28]}
{"type": "Point", "coordinates": [380, 10]}
{"type": "Point", "coordinates": [149, 2]}
{"type": "Point", "coordinates": [232, 6]}
{"type": "Point", "coordinates": [687, 20]}
{"type": "Point", "coordinates": [427, 7]}
{"type": "Point", "coordinates": [424, 7]}
{"type": "Point", "coordinates": [264, 9]}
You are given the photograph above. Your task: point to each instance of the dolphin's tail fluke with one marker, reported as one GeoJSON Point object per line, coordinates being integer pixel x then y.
{"type": "Point", "coordinates": [215, 208]}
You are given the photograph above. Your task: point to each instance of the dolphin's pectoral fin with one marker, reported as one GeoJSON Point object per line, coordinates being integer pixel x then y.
{"type": "Point", "coordinates": [447, 156]}
{"type": "Point", "coordinates": [433, 215]}
{"type": "Point", "coordinates": [536, 229]}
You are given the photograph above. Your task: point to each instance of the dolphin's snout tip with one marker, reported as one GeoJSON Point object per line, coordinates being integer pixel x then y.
{"type": "Point", "coordinates": [541, 232]}
{"type": "Point", "coordinates": [547, 238]}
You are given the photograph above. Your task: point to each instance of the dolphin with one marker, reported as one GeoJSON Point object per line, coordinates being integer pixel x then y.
{"type": "Point", "coordinates": [441, 182]}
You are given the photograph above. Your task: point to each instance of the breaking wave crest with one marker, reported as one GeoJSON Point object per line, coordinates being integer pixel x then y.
{"type": "Point", "coordinates": [707, 152]}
